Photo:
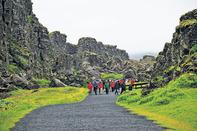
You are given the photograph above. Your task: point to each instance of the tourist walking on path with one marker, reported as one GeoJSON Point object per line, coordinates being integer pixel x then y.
{"type": "Point", "coordinates": [123, 87]}
{"type": "Point", "coordinates": [95, 84]}
{"type": "Point", "coordinates": [112, 85]}
{"type": "Point", "coordinates": [90, 86]}
{"type": "Point", "coordinates": [117, 86]}
{"type": "Point", "coordinates": [100, 87]}
{"type": "Point", "coordinates": [120, 84]}
{"type": "Point", "coordinates": [107, 85]}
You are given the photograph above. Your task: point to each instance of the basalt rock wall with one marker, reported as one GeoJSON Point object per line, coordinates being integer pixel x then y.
{"type": "Point", "coordinates": [29, 51]}
{"type": "Point", "coordinates": [179, 55]}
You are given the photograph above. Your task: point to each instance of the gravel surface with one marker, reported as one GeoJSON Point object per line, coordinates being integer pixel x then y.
{"type": "Point", "coordinates": [96, 113]}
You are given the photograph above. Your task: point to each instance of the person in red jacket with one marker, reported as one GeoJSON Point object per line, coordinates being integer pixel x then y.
{"type": "Point", "coordinates": [112, 85]}
{"type": "Point", "coordinates": [120, 82]}
{"type": "Point", "coordinates": [90, 86]}
{"type": "Point", "coordinates": [100, 85]}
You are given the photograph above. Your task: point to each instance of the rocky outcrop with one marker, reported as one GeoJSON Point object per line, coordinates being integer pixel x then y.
{"type": "Point", "coordinates": [91, 45]}
{"type": "Point", "coordinates": [179, 56]}
{"type": "Point", "coordinates": [24, 41]}
{"type": "Point", "coordinates": [148, 58]}
{"type": "Point", "coordinates": [85, 60]}
{"type": "Point", "coordinates": [60, 45]}
{"type": "Point", "coordinates": [29, 51]}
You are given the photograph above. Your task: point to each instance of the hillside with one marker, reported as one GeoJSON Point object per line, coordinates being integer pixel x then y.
{"type": "Point", "coordinates": [173, 106]}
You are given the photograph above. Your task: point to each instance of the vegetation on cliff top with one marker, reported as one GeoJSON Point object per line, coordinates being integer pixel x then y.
{"type": "Point", "coordinates": [186, 23]}
{"type": "Point", "coordinates": [173, 106]}
{"type": "Point", "coordinates": [21, 102]}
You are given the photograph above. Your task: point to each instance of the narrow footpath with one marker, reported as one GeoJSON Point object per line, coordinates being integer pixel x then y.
{"type": "Point", "coordinates": [96, 113]}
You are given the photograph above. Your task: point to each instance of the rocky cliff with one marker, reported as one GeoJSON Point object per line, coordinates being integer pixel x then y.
{"type": "Point", "coordinates": [29, 51]}
{"type": "Point", "coordinates": [180, 55]}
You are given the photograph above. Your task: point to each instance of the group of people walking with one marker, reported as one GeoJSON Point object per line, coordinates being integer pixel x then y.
{"type": "Point", "coordinates": [116, 86]}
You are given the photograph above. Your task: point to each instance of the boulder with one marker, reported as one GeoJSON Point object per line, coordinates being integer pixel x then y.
{"type": "Point", "coordinates": [5, 85]}
{"type": "Point", "coordinates": [19, 81]}
{"type": "Point", "coordinates": [144, 76]}
{"type": "Point", "coordinates": [57, 83]}
{"type": "Point", "coordinates": [130, 74]}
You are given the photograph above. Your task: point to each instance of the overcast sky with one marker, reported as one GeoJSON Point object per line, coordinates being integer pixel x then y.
{"type": "Point", "coordinates": [134, 25]}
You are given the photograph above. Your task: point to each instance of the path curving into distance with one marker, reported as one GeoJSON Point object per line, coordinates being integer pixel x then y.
{"type": "Point", "coordinates": [96, 113]}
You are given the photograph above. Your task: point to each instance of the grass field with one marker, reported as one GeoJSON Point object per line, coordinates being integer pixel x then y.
{"type": "Point", "coordinates": [22, 102]}
{"type": "Point", "coordinates": [173, 106]}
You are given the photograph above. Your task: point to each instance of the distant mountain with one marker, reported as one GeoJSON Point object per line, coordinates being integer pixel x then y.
{"type": "Point", "coordinates": [138, 56]}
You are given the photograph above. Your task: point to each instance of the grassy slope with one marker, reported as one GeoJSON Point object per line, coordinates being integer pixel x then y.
{"type": "Point", "coordinates": [174, 106]}
{"type": "Point", "coordinates": [24, 101]}
{"type": "Point", "coordinates": [112, 76]}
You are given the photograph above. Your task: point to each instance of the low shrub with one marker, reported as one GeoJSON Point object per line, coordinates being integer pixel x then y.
{"type": "Point", "coordinates": [162, 101]}
{"type": "Point", "coordinates": [42, 82]}
{"type": "Point", "coordinates": [146, 99]}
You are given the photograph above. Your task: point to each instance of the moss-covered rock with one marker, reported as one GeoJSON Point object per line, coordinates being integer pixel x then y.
{"type": "Point", "coordinates": [179, 56]}
{"type": "Point", "coordinates": [186, 23]}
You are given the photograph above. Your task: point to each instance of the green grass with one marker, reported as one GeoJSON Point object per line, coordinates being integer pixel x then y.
{"type": "Point", "coordinates": [22, 102]}
{"type": "Point", "coordinates": [185, 81]}
{"type": "Point", "coordinates": [173, 106]}
{"type": "Point", "coordinates": [113, 76]}
{"type": "Point", "coordinates": [42, 82]}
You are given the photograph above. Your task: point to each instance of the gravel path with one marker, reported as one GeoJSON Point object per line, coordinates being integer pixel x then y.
{"type": "Point", "coordinates": [96, 113]}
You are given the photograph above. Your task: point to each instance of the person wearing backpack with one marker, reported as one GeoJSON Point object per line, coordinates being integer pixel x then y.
{"type": "Point", "coordinates": [107, 86]}
{"type": "Point", "coordinates": [123, 87]}
{"type": "Point", "coordinates": [117, 86]}
{"type": "Point", "coordinates": [95, 85]}
{"type": "Point", "coordinates": [100, 86]}
{"type": "Point", "coordinates": [112, 85]}
{"type": "Point", "coordinates": [90, 86]}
